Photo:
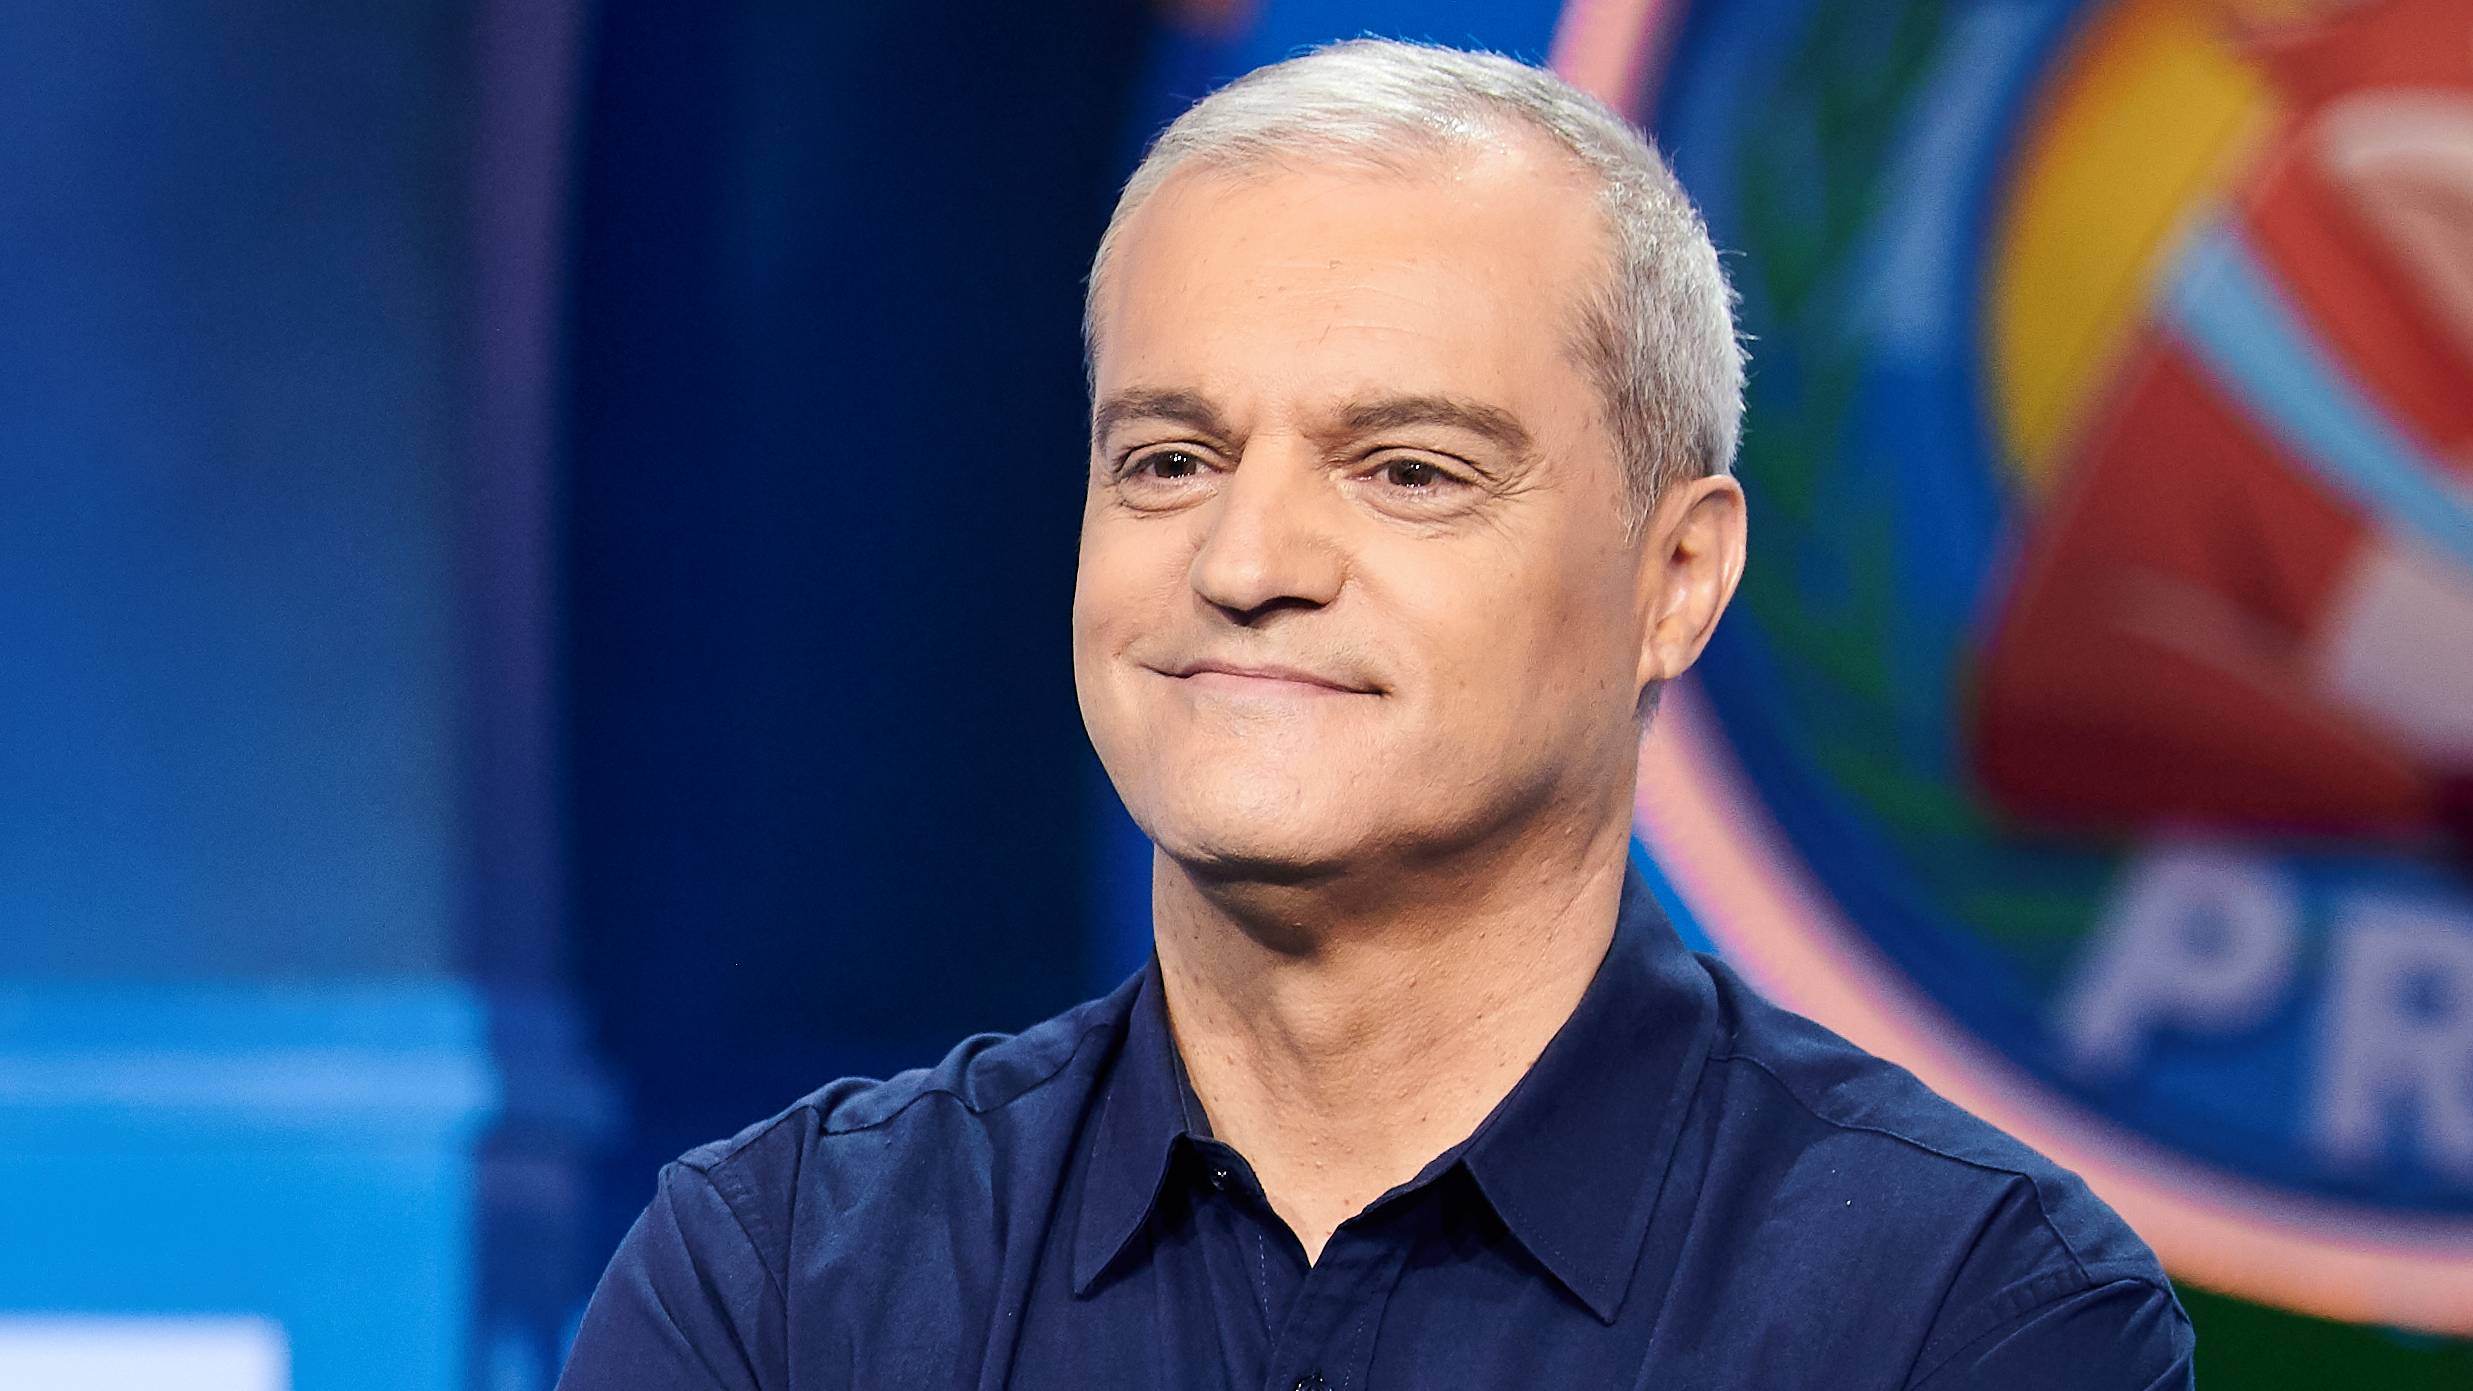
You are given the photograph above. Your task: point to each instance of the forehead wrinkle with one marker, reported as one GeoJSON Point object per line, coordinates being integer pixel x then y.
{"type": "Point", "coordinates": [1409, 278]}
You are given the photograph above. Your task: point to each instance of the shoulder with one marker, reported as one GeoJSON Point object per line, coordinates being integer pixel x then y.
{"type": "Point", "coordinates": [1913, 1140]}
{"type": "Point", "coordinates": [1991, 1232]}
{"type": "Point", "coordinates": [828, 1206]}
{"type": "Point", "coordinates": [923, 1144]}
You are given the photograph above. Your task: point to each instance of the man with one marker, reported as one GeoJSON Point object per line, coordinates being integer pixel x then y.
{"type": "Point", "coordinates": [1415, 391]}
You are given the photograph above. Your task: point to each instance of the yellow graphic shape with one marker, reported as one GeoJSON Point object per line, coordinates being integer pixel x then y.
{"type": "Point", "coordinates": [2147, 123]}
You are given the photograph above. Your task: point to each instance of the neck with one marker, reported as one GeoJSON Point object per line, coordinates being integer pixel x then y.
{"type": "Point", "coordinates": [1341, 1035]}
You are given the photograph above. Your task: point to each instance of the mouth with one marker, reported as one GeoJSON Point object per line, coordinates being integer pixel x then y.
{"type": "Point", "coordinates": [1263, 678]}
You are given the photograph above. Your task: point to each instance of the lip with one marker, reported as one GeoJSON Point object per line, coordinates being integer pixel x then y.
{"type": "Point", "coordinates": [1264, 676]}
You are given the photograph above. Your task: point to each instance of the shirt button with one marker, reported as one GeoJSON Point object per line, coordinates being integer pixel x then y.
{"type": "Point", "coordinates": [1311, 1381]}
{"type": "Point", "coordinates": [1219, 1179]}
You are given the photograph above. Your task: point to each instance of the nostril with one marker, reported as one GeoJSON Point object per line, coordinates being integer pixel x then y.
{"type": "Point", "coordinates": [1249, 615]}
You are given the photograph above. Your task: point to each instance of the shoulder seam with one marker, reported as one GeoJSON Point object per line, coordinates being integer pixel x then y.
{"type": "Point", "coordinates": [730, 1151]}
{"type": "Point", "coordinates": [2043, 1211]}
{"type": "Point", "coordinates": [1062, 1064]}
{"type": "Point", "coordinates": [740, 1145]}
{"type": "Point", "coordinates": [710, 1168]}
{"type": "Point", "coordinates": [738, 1220]}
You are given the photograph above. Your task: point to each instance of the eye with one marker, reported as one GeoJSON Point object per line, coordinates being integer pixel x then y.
{"type": "Point", "coordinates": [1164, 464]}
{"type": "Point", "coordinates": [1419, 486]}
{"type": "Point", "coordinates": [1163, 477]}
{"type": "Point", "coordinates": [1417, 475]}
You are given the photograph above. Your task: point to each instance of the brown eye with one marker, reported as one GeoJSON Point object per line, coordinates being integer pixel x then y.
{"type": "Point", "coordinates": [1167, 463]}
{"type": "Point", "coordinates": [1417, 487]}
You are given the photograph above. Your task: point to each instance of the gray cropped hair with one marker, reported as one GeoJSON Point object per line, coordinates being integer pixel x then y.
{"type": "Point", "coordinates": [1657, 335]}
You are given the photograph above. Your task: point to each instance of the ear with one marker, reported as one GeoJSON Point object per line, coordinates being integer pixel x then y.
{"type": "Point", "coordinates": [1691, 556]}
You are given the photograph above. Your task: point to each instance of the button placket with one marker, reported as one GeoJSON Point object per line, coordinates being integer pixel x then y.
{"type": "Point", "coordinates": [1332, 1315]}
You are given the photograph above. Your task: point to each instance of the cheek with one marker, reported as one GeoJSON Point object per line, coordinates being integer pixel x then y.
{"type": "Point", "coordinates": [1540, 648]}
{"type": "Point", "coordinates": [1111, 578]}
{"type": "Point", "coordinates": [1128, 582]}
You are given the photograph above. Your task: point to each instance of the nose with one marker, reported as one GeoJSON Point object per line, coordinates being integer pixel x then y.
{"type": "Point", "coordinates": [1268, 541]}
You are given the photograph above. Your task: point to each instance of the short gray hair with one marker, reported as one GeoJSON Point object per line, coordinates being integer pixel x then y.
{"type": "Point", "coordinates": [1657, 336]}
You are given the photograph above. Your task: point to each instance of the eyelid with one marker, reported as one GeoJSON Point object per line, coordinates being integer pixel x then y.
{"type": "Point", "coordinates": [1450, 466]}
{"type": "Point", "coordinates": [1122, 466]}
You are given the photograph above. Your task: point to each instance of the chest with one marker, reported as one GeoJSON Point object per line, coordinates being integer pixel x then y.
{"type": "Point", "coordinates": [1213, 1302]}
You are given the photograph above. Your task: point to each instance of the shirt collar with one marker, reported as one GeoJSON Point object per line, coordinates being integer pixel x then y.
{"type": "Point", "coordinates": [1143, 1114]}
{"type": "Point", "coordinates": [1572, 1160]}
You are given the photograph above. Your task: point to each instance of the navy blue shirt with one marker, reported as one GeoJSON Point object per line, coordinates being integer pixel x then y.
{"type": "Point", "coordinates": [1691, 1188]}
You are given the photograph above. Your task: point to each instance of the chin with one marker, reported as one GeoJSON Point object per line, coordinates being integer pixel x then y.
{"type": "Point", "coordinates": [1245, 830]}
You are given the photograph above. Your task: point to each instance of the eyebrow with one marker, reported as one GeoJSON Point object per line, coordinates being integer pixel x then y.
{"type": "Point", "coordinates": [1454, 412]}
{"type": "Point", "coordinates": [1189, 408]}
{"type": "Point", "coordinates": [1176, 406]}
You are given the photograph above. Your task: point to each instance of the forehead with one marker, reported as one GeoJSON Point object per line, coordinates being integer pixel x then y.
{"type": "Point", "coordinates": [1460, 272]}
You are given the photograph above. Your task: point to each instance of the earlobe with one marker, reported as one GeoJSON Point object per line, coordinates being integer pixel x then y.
{"type": "Point", "coordinates": [1692, 557]}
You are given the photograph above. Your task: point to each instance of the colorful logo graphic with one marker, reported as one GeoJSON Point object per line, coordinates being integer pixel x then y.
{"type": "Point", "coordinates": [2104, 672]}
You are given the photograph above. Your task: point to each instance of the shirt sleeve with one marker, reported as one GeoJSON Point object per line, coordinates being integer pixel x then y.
{"type": "Point", "coordinates": [687, 1303]}
{"type": "Point", "coordinates": [2068, 1334]}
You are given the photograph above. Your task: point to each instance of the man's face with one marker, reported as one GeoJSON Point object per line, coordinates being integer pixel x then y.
{"type": "Point", "coordinates": [1355, 584]}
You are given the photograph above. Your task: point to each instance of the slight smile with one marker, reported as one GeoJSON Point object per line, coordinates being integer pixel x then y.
{"type": "Point", "coordinates": [1262, 678]}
